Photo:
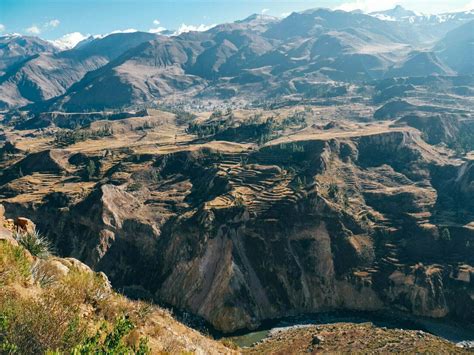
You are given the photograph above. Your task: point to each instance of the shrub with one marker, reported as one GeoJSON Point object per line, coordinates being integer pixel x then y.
{"type": "Point", "coordinates": [83, 287]}
{"type": "Point", "coordinates": [333, 190]}
{"type": "Point", "coordinates": [56, 319]}
{"type": "Point", "coordinates": [14, 264]}
{"type": "Point", "coordinates": [41, 275]}
{"type": "Point", "coordinates": [53, 322]}
{"type": "Point", "coordinates": [229, 343]}
{"type": "Point", "coordinates": [112, 342]}
{"type": "Point", "coordinates": [134, 186]}
{"type": "Point", "coordinates": [34, 242]}
{"type": "Point", "coordinates": [445, 235]}
{"type": "Point", "coordinates": [5, 346]}
{"type": "Point", "coordinates": [36, 325]}
{"type": "Point", "coordinates": [91, 169]}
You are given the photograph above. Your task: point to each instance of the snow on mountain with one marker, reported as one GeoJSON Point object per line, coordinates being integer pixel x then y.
{"type": "Point", "coordinates": [401, 14]}
{"type": "Point", "coordinates": [69, 41]}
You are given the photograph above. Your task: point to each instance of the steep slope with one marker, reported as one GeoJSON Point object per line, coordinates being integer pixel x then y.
{"type": "Point", "coordinates": [398, 13]}
{"type": "Point", "coordinates": [420, 64]}
{"type": "Point", "coordinates": [421, 26]}
{"type": "Point", "coordinates": [57, 304]}
{"type": "Point", "coordinates": [256, 58]}
{"type": "Point", "coordinates": [355, 222]}
{"type": "Point", "coordinates": [15, 49]}
{"type": "Point", "coordinates": [243, 59]}
{"type": "Point", "coordinates": [457, 49]}
{"type": "Point", "coordinates": [49, 75]}
{"type": "Point", "coordinates": [151, 70]}
{"type": "Point", "coordinates": [314, 22]}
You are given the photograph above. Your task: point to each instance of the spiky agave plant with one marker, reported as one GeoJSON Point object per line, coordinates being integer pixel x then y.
{"type": "Point", "coordinates": [37, 244]}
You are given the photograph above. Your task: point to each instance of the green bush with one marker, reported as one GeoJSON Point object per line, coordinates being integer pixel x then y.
{"type": "Point", "coordinates": [112, 342]}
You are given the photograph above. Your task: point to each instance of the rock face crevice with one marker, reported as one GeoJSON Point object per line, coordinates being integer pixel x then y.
{"type": "Point", "coordinates": [294, 228]}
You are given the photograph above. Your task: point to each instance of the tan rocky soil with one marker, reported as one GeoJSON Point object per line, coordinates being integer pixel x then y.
{"type": "Point", "coordinates": [352, 338]}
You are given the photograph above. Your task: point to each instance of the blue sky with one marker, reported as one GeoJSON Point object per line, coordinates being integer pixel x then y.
{"type": "Point", "coordinates": [51, 19]}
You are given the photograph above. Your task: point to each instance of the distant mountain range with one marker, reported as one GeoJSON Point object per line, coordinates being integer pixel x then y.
{"type": "Point", "coordinates": [400, 14]}
{"type": "Point", "coordinates": [258, 57]}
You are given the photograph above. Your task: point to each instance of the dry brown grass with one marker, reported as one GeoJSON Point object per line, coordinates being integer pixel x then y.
{"type": "Point", "coordinates": [74, 305]}
{"type": "Point", "coordinates": [14, 264]}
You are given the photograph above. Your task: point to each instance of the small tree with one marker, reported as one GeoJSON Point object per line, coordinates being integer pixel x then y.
{"type": "Point", "coordinates": [91, 169]}
{"type": "Point", "coordinates": [333, 190]}
{"type": "Point", "coordinates": [445, 235]}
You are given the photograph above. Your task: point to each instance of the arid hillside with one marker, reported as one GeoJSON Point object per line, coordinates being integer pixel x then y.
{"type": "Point", "coordinates": [57, 304]}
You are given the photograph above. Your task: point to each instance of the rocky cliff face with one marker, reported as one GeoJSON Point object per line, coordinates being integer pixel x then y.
{"type": "Point", "coordinates": [350, 223]}
{"type": "Point", "coordinates": [48, 302]}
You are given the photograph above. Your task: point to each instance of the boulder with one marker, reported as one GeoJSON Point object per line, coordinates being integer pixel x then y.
{"type": "Point", "coordinates": [23, 224]}
{"type": "Point", "coordinates": [49, 270]}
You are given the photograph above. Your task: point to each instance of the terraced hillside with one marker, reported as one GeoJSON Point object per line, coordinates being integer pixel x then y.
{"type": "Point", "coordinates": [247, 215]}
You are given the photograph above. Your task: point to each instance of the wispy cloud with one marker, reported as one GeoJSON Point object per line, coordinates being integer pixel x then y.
{"type": "Point", "coordinates": [264, 11]}
{"type": "Point", "coordinates": [52, 24]}
{"type": "Point", "coordinates": [34, 30]}
{"type": "Point", "coordinates": [156, 22]}
{"type": "Point", "coordinates": [2, 28]}
{"type": "Point", "coordinates": [192, 28]}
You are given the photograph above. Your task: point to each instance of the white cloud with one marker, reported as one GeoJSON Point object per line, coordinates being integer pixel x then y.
{"type": "Point", "coordinates": [157, 29]}
{"type": "Point", "coordinates": [128, 30]}
{"type": "Point", "coordinates": [69, 40]}
{"type": "Point", "coordinates": [53, 23]}
{"type": "Point", "coordinates": [34, 30]}
{"type": "Point", "coordinates": [367, 5]}
{"type": "Point", "coordinates": [264, 11]}
{"type": "Point", "coordinates": [285, 14]}
{"type": "Point", "coordinates": [192, 28]}
{"type": "Point", "coordinates": [2, 27]}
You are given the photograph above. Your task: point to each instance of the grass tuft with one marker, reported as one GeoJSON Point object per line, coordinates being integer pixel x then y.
{"type": "Point", "coordinates": [35, 243]}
